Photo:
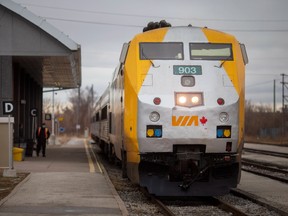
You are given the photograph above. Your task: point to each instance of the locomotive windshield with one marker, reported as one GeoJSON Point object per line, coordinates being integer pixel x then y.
{"type": "Point", "coordinates": [210, 51]}
{"type": "Point", "coordinates": [161, 51]}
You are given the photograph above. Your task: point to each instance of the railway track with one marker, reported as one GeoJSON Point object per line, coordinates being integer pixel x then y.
{"type": "Point", "coordinates": [138, 203]}
{"type": "Point", "coordinates": [259, 201]}
{"type": "Point", "coordinates": [265, 170]}
{"type": "Point", "coordinates": [265, 152]}
{"type": "Point", "coordinates": [238, 202]}
{"type": "Point", "coordinates": [165, 205]}
{"type": "Point", "coordinates": [210, 202]}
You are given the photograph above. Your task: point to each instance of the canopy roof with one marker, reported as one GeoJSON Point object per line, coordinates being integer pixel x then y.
{"type": "Point", "coordinates": [48, 55]}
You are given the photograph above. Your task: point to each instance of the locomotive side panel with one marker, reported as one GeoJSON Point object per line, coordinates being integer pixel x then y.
{"type": "Point", "coordinates": [134, 74]}
{"type": "Point", "coordinates": [116, 112]}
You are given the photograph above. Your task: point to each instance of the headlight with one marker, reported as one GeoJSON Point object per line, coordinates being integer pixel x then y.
{"type": "Point", "coordinates": [195, 99]}
{"type": "Point", "coordinates": [223, 117]}
{"type": "Point", "coordinates": [154, 116]}
{"type": "Point", "coordinates": [182, 100]}
{"type": "Point", "coordinates": [189, 99]}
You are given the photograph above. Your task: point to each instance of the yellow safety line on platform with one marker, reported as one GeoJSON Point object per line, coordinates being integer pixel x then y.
{"type": "Point", "coordinates": [95, 157]}
{"type": "Point", "coordinates": [91, 164]}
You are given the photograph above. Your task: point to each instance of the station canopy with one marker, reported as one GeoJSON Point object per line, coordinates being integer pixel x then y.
{"type": "Point", "coordinates": [44, 52]}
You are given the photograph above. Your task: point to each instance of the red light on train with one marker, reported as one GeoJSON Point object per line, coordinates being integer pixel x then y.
{"type": "Point", "coordinates": [156, 100]}
{"type": "Point", "coordinates": [220, 101]}
{"type": "Point", "coordinates": [227, 158]}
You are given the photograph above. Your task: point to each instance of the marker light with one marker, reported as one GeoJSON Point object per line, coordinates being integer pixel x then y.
{"type": "Point", "coordinates": [157, 100]}
{"type": "Point", "coordinates": [150, 133]}
{"type": "Point", "coordinates": [154, 116]}
{"type": "Point", "coordinates": [189, 99]}
{"type": "Point", "coordinates": [158, 132]}
{"type": "Point", "coordinates": [229, 146]}
{"type": "Point", "coordinates": [223, 117]}
{"type": "Point", "coordinates": [220, 101]}
{"type": "Point", "coordinates": [154, 131]}
{"type": "Point", "coordinates": [223, 132]}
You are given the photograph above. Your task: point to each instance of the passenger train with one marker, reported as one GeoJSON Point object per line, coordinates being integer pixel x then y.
{"type": "Point", "coordinates": [173, 113]}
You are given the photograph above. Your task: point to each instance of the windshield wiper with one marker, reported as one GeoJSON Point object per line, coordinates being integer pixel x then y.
{"type": "Point", "coordinates": [143, 54]}
{"type": "Point", "coordinates": [223, 61]}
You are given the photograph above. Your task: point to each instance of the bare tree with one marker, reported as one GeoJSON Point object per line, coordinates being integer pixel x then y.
{"type": "Point", "coordinates": [82, 105]}
{"type": "Point", "coordinates": [261, 122]}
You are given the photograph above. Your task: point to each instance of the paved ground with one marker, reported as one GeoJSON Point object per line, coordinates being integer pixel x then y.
{"type": "Point", "coordinates": [66, 182]}
{"type": "Point", "coordinates": [274, 191]}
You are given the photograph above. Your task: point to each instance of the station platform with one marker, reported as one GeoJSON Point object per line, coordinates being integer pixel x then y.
{"type": "Point", "coordinates": [68, 181]}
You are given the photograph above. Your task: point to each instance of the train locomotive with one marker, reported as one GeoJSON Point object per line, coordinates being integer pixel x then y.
{"type": "Point", "coordinates": [173, 113]}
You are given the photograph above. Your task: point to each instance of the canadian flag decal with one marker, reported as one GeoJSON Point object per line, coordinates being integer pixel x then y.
{"type": "Point", "coordinates": [203, 120]}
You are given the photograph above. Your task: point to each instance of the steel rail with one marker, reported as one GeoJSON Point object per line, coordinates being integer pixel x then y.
{"type": "Point", "coordinates": [284, 180]}
{"type": "Point", "coordinates": [164, 208]}
{"type": "Point", "coordinates": [213, 201]}
{"type": "Point", "coordinates": [260, 201]}
{"type": "Point", "coordinates": [227, 207]}
{"type": "Point", "coordinates": [260, 165]}
{"type": "Point", "coordinates": [265, 152]}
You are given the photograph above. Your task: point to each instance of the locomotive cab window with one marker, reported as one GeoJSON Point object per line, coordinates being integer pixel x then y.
{"type": "Point", "coordinates": [161, 51]}
{"type": "Point", "coordinates": [211, 51]}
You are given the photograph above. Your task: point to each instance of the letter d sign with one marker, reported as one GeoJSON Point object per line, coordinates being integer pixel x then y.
{"type": "Point", "coordinates": [7, 107]}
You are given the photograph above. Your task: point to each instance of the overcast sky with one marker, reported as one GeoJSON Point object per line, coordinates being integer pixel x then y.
{"type": "Point", "coordinates": [102, 26]}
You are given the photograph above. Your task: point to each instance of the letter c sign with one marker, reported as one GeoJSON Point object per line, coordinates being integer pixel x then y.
{"type": "Point", "coordinates": [34, 112]}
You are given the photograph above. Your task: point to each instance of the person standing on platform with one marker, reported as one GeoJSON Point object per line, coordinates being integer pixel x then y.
{"type": "Point", "coordinates": [42, 135]}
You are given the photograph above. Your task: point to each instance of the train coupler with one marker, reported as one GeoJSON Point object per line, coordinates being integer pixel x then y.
{"type": "Point", "coordinates": [188, 179]}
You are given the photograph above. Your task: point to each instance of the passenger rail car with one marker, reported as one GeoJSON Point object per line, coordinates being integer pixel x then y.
{"type": "Point", "coordinates": [175, 113]}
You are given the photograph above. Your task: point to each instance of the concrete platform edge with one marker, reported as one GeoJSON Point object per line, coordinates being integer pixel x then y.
{"type": "Point", "coordinates": [120, 202]}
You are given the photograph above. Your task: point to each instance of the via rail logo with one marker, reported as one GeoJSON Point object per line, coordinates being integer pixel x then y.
{"type": "Point", "coordinates": [188, 120]}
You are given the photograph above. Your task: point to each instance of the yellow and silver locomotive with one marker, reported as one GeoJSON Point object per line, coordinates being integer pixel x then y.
{"type": "Point", "coordinates": [174, 111]}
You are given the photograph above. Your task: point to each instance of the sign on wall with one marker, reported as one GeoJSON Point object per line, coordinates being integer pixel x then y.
{"type": "Point", "coordinates": [8, 107]}
{"type": "Point", "coordinates": [34, 112]}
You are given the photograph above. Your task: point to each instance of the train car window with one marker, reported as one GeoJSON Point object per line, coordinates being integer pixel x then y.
{"type": "Point", "coordinates": [161, 51]}
{"type": "Point", "coordinates": [110, 122]}
{"type": "Point", "coordinates": [104, 113]}
{"type": "Point", "coordinates": [211, 51]}
{"type": "Point", "coordinates": [97, 117]}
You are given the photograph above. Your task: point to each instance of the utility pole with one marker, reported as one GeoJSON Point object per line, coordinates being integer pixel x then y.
{"type": "Point", "coordinates": [284, 99]}
{"type": "Point", "coordinates": [91, 105]}
{"type": "Point", "coordinates": [52, 137]}
{"type": "Point", "coordinates": [274, 96]}
{"type": "Point", "coordinates": [78, 110]}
